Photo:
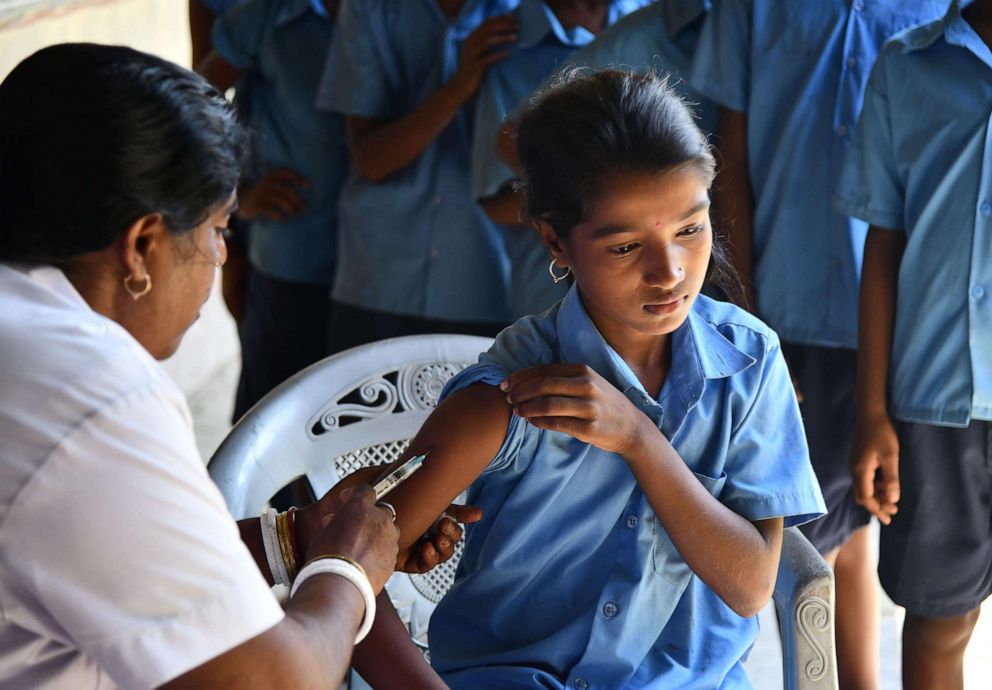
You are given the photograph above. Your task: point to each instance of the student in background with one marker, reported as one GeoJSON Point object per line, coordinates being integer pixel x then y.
{"type": "Point", "coordinates": [290, 200]}
{"type": "Point", "coordinates": [790, 78]}
{"type": "Point", "coordinates": [920, 171]}
{"type": "Point", "coordinates": [416, 253]}
{"type": "Point", "coordinates": [549, 32]}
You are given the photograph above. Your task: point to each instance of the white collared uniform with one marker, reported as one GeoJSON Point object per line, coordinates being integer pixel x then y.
{"type": "Point", "coordinates": [120, 565]}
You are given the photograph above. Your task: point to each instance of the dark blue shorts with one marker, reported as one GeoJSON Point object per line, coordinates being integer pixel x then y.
{"type": "Point", "coordinates": [935, 559]}
{"type": "Point", "coordinates": [826, 379]}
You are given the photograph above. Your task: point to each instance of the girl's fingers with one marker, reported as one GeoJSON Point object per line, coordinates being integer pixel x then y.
{"type": "Point", "coordinates": [557, 406]}
{"type": "Point", "coordinates": [556, 369]}
{"type": "Point", "coordinates": [550, 386]}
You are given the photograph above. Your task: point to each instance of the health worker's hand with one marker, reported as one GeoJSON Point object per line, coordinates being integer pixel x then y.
{"type": "Point", "coordinates": [574, 399]}
{"type": "Point", "coordinates": [875, 466]}
{"type": "Point", "coordinates": [357, 528]}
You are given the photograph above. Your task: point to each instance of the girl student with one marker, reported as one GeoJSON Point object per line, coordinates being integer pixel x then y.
{"type": "Point", "coordinates": [637, 448]}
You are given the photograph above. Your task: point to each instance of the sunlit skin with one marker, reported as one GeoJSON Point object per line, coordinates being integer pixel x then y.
{"type": "Point", "coordinates": [640, 260]}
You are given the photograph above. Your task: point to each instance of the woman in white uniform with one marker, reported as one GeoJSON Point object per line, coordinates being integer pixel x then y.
{"type": "Point", "coordinates": [119, 563]}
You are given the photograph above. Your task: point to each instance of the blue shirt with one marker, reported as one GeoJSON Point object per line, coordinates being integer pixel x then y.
{"type": "Point", "coordinates": [570, 580]}
{"type": "Point", "coordinates": [415, 243]}
{"type": "Point", "coordinates": [219, 7]}
{"type": "Point", "coordinates": [921, 161]}
{"type": "Point", "coordinates": [798, 70]}
{"type": "Point", "coordinates": [281, 44]}
{"type": "Point", "coordinates": [543, 45]}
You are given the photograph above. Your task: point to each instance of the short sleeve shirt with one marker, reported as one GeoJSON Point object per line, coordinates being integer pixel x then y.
{"type": "Point", "coordinates": [280, 45]}
{"type": "Point", "coordinates": [919, 165]}
{"type": "Point", "coordinates": [416, 243]}
{"type": "Point", "coordinates": [798, 70]}
{"type": "Point", "coordinates": [119, 563]}
{"type": "Point", "coordinates": [591, 590]}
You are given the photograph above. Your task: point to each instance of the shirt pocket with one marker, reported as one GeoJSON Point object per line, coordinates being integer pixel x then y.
{"type": "Point", "coordinates": [668, 562]}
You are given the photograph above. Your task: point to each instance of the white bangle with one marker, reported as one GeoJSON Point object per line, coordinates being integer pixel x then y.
{"type": "Point", "coordinates": [353, 574]}
{"type": "Point", "coordinates": [273, 554]}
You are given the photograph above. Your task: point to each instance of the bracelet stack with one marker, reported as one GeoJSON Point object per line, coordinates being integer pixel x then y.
{"type": "Point", "coordinates": [350, 570]}
{"type": "Point", "coordinates": [279, 540]}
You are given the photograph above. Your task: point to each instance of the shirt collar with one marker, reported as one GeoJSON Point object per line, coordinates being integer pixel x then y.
{"type": "Point", "coordinates": [292, 9]}
{"type": "Point", "coordinates": [699, 352]}
{"type": "Point", "coordinates": [537, 23]}
{"type": "Point", "coordinates": [955, 30]}
{"type": "Point", "coordinates": [679, 14]}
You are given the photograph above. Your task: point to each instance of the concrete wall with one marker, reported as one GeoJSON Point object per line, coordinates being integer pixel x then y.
{"type": "Point", "coordinates": [156, 26]}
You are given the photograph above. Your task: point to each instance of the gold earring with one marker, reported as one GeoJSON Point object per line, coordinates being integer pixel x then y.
{"type": "Point", "coordinates": [557, 278]}
{"type": "Point", "coordinates": [138, 294]}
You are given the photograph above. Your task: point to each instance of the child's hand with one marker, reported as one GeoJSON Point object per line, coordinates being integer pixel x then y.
{"type": "Point", "coordinates": [484, 47]}
{"type": "Point", "coordinates": [875, 466]}
{"type": "Point", "coordinates": [438, 544]}
{"type": "Point", "coordinates": [575, 400]}
{"type": "Point", "coordinates": [276, 196]}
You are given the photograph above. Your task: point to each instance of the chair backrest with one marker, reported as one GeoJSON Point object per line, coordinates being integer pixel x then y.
{"type": "Point", "coordinates": [361, 407]}
{"type": "Point", "coordinates": [353, 409]}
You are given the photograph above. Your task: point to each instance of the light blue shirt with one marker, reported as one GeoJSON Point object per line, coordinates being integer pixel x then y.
{"type": "Point", "coordinates": [798, 70]}
{"type": "Point", "coordinates": [416, 243]}
{"type": "Point", "coordinates": [281, 44]}
{"type": "Point", "coordinates": [921, 161]}
{"type": "Point", "coordinates": [570, 580]}
{"type": "Point", "coordinates": [542, 47]}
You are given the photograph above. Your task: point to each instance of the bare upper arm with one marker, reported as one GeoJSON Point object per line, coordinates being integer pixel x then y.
{"type": "Point", "coordinates": [463, 435]}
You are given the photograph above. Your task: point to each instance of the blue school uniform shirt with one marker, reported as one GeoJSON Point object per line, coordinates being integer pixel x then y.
{"type": "Point", "coordinates": [543, 45]}
{"type": "Point", "coordinates": [798, 70]}
{"type": "Point", "coordinates": [415, 243]}
{"type": "Point", "coordinates": [921, 161]}
{"type": "Point", "coordinates": [281, 45]}
{"type": "Point", "coordinates": [570, 580]}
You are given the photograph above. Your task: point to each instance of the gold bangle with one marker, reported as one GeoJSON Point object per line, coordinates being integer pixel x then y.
{"type": "Point", "coordinates": [286, 546]}
{"type": "Point", "coordinates": [340, 558]}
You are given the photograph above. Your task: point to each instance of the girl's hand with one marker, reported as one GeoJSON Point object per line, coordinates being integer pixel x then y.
{"type": "Point", "coordinates": [438, 545]}
{"type": "Point", "coordinates": [575, 400]}
{"type": "Point", "coordinates": [875, 466]}
{"type": "Point", "coordinates": [485, 46]}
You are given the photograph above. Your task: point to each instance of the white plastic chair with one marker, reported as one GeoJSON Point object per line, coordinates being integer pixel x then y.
{"type": "Point", "coordinates": [362, 406]}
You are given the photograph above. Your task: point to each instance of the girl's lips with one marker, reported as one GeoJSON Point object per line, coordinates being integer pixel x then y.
{"type": "Point", "coordinates": [666, 307]}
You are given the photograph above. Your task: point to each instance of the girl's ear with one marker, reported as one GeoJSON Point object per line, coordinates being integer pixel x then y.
{"type": "Point", "coordinates": [140, 241]}
{"type": "Point", "coordinates": [550, 239]}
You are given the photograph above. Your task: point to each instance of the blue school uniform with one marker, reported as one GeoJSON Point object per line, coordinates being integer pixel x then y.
{"type": "Point", "coordinates": [570, 580]}
{"type": "Point", "coordinates": [921, 161]}
{"type": "Point", "coordinates": [415, 243]}
{"type": "Point", "coordinates": [281, 43]}
{"type": "Point", "coordinates": [798, 70]}
{"type": "Point", "coordinates": [543, 45]}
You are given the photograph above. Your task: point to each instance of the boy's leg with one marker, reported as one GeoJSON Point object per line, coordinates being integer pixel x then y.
{"type": "Point", "coordinates": [936, 556]}
{"type": "Point", "coordinates": [826, 379]}
{"type": "Point", "coordinates": [933, 651]}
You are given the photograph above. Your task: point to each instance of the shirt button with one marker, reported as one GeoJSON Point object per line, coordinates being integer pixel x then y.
{"type": "Point", "coordinates": [841, 131]}
{"type": "Point", "coordinates": [985, 209]}
{"type": "Point", "coordinates": [977, 291]}
{"type": "Point", "coordinates": [610, 609]}
{"type": "Point", "coordinates": [437, 199]}
{"type": "Point", "coordinates": [631, 522]}
{"type": "Point", "coordinates": [852, 62]}
{"type": "Point", "coordinates": [858, 5]}
{"type": "Point", "coordinates": [581, 683]}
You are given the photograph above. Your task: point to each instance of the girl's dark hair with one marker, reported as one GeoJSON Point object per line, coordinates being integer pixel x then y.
{"type": "Point", "coordinates": [94, 137]}
{"type": "Point", "coordinates": [590, 125]}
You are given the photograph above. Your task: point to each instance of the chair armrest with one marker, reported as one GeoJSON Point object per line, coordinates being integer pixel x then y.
{"type": "Point", "coordinates": [804, 602]}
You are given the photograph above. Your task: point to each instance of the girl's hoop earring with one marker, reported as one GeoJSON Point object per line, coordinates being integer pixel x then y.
{"type": "Point", "coordinates": [557, 278]}
{"type": "Point", "coordinates": [138, 294]}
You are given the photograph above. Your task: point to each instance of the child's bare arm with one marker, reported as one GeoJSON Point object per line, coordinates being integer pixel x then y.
{"type": "Point", "coordinates": [737, 558]}
{"type": "Point", "coordinates": [876, 448]}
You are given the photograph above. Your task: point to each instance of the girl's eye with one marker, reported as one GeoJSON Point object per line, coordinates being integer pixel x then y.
{"type": "Point", "coordinates": [691, 230]}
{"type": "Point", "coordinates": [223, 232]}
{"type": "Point", "coordinates": [624, 250]}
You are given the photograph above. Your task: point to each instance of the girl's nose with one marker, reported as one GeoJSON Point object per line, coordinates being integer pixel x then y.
{"type": "Point", "coordinates": [664, 269]}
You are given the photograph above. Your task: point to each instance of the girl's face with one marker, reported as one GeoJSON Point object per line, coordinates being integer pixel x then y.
{"type": "Point", "coordinates": [641, 256]}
